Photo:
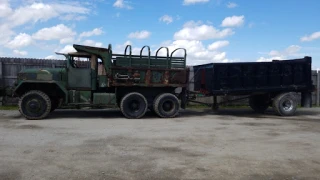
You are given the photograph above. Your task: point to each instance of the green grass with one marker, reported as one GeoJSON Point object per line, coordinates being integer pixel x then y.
{"type": "Point", "coordinates": [9, 108]}
{"type": "Point", "coordinates": [235, 106]}
{"type": "Point", "coordinates": [200, 106]}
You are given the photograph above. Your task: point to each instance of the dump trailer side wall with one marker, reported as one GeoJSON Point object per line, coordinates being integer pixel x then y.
{"type": "Point", "coordinates": [254, 77]}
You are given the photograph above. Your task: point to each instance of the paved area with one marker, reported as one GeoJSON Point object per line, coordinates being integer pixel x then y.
{"type": "Point", "coordinates": [96, 144]}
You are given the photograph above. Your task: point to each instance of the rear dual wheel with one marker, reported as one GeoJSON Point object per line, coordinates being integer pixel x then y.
{"type": "Point", "coordinates": [166, 105]}
{"type": "Point", "coordinates": [285, 104]}
{"type": "Point", "coordinates": [134, 105]}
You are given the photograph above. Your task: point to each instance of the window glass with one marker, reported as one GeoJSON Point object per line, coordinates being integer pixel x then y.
{"type": "Point", "coordinates": [80, 62]}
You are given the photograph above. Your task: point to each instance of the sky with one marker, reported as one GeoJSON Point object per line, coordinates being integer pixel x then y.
{"type": "Point", "coordinates": [210, 30]}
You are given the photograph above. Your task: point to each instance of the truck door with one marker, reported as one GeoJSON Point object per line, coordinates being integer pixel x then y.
{"type": "Point", "coordinates": [79, 75]}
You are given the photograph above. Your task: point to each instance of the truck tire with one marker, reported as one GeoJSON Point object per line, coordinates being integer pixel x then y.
{"type": "Point", "coordinates": [35, 105]}
{"type": "Point", "coordinates": [285, 104]}
{"type": "Point", "coordinates": [134, 105]}
{"type": "Point", "coordinates": [166, 105]}
{"type": "Point", "coordinates": [259, 103]}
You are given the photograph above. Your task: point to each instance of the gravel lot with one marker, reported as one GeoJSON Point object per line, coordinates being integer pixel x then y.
{"type": "Point", "coordinates": [96, 144]}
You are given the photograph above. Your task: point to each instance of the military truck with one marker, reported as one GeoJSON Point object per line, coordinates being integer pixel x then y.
{"type": "Point", "coordinates": [133, 83]}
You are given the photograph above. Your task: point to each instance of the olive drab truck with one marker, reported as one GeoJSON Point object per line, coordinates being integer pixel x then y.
{"type": "Point", "coordinates": [133, 83]}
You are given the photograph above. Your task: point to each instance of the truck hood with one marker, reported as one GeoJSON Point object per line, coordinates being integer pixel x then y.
{"type": "Point", "coordinates": [44, 74]}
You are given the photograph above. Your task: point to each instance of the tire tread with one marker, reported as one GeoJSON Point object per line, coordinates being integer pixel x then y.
{"type": "Point", "coordinates": [122, 104]}
{"type": "Point", "coordinates": [156, 105]}
{"type": "Point", "coordinates": [276, 103]}
{"type": "Point", "coordinates": [44, 96]}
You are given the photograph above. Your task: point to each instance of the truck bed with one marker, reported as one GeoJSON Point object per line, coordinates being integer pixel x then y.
{"type": "Point", "coordinates": [254, 77]}
{"type": "Point", "coordinates": [149, 71]}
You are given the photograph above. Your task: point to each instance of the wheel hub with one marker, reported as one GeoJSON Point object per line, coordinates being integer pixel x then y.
{"type": "Point", "coordinates": [168, 106]}
{"type": "Point", "coordinates": [287, 105]}
{"type": "Point", "coordinates": [34, 104]}
{"type": "Point", "coordinates": [135, 105]}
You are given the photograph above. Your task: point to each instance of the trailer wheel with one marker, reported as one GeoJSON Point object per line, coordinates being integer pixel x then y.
{"type": "Point", "coordinates": [35, 105]}
{"type": "Point", "coordinates": [166, 105]}
{"type": "Point", "coordinates": [285, 104]}
{"type": "Point", "coordinates": [259, 103]}
{"type": "Point", "coordinates": [134, 105]}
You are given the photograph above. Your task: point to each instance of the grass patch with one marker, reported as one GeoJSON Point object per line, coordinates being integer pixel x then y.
{"type": "Point", "coordinates": [197, 106]}
{"type": "Point", "coordinates": [201, 106]}
{"type": "Point", "coordinates": [9, 108]}
{"type": "Point", "coordinates": [235, 106]}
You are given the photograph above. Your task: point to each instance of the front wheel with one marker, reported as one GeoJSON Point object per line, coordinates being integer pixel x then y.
{"type": "Point", "coordinates": [285, 104]}
{"type": "Point", "coordinates": [166, 105]}
{"type": "Point", "coordinates": [134, 105]}
{"type": "Point", "coordinates": [35, 105]}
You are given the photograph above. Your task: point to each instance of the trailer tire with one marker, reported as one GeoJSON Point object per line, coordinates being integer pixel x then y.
{"type": "Point", "coordinates": [134, 105]}
{"type": "Point", "coordinates": [259, 103]}
{"type": "Point", "coordinates": [35, 105]}
{"type": "Point", "coordinates": [166, 105]}
{"type": "Point", "coordinates": [285, 104]}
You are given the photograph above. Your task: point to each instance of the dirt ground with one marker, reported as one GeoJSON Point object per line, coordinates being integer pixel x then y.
{"type": "Point", "coordinates": [199, 144]}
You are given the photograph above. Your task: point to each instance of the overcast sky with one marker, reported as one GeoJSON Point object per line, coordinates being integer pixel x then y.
{"type": "Point", "coordinates": [210, 30]}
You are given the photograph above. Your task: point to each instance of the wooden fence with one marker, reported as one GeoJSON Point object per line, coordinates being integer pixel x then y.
{"type": "Point", "coordinates": [9, 68]}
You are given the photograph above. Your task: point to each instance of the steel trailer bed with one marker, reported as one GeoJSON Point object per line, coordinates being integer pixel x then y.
{"type": "Point", "coordinates": [263, 82]}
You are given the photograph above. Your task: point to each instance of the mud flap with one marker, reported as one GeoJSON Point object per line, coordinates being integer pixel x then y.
{"type": "Point", "coordinates": [306, 99]}
{"type": "Point", "coordinates": [183, 98]}
{"type": "Point", "coordinates": [215, 105]}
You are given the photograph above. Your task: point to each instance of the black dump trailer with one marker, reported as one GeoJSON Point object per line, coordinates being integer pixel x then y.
{"type": "Point", "coordinates": [264, 83]}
